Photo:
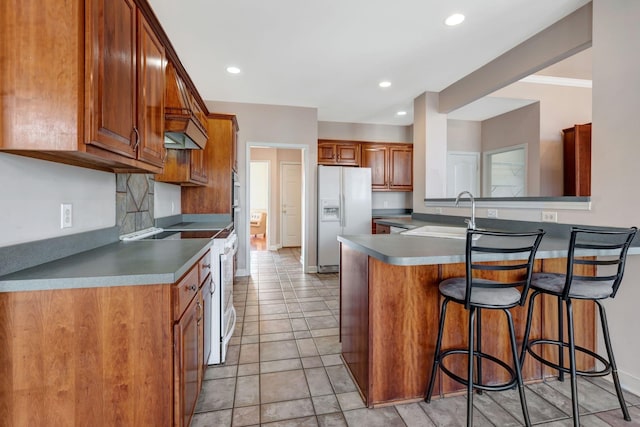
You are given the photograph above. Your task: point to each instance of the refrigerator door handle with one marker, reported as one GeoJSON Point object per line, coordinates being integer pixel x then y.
{"type": "Point", "coordinates": [342, 213]}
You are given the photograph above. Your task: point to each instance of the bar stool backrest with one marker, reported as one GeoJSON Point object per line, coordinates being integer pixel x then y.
{"type": "Point", "coordinates": [590, 242]}
{"type": "Point", "coordinates": [509, 246]}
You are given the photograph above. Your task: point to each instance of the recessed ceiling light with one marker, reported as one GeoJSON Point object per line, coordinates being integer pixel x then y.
{"type": "Point", "coordinates": [233, 70]}
{"type": "Point", "coordinates": [454, 19]}
{"type": "Point", "coordinates": [401, 113]}
{"type": "Point", "coordinates": [384, 83]}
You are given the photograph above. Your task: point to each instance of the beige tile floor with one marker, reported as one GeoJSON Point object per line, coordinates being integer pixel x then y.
{"type": "Point", "coordinates": [283, 368]}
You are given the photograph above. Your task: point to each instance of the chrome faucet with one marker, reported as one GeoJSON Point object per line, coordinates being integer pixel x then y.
{"type": "Point", "coordinates": [471, 223]}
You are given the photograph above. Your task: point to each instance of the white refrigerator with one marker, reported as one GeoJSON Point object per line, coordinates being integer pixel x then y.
{"type": "Point", "coordinates": [344, 207]}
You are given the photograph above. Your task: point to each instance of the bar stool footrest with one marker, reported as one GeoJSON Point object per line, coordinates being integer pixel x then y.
{"type": "Point", "coordinates": [488, 387]}
{"type": "Point", "coordinates": [591, 373]}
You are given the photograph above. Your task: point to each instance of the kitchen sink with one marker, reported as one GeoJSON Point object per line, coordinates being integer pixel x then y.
{"type": "Point", "coordinates": [440, 231]}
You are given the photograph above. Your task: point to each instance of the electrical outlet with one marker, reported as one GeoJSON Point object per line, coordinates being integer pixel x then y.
{"type": "Point", "coordinates": [549, 216]}
{"type": "Point", "coordinates": [385, 204]}
{"type": "Point", "coordinates": [66, 215]}
{"type": "Point", "coordinates": [492, 213]}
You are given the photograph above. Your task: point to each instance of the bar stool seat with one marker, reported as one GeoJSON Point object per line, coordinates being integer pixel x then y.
{"type": "Point", "coordinates": [583, 289]}
{"type": "Point", "coordinates": [477, 293]}
{"type": "Point", "coordinates": [604, 251]}
{"type": "Point", "coordinates": [492, 294]}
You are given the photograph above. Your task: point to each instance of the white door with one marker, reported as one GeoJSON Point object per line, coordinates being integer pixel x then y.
{"type": "Point", "coordinates": [291, 200]}
{"type": "Point", "coordinates": [463, 173]}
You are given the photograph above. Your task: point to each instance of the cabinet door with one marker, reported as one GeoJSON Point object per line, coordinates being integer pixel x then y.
{"type": "Point", "coordinates": [186, 363]}
{"type": "Point", "coordinates": [401, 168]}
{"type": "Point", "coordinates": [198, 166]}
{"type": "Point", "coordinates": [151, 75]}
{"type": "Point", "coordinates": [111, 51]}
{"type": "Point", "coordinates": [375, 157]}
{"type": "Point", "coordinates": [201, 360]}
{"type": "Point", "coordinates": [348, 154]}
{"type": "Point", "coordinates": [326, 154]}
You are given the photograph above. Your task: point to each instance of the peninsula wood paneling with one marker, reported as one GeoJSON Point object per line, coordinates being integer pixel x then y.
{"type": "Point", "coordinates": [402, 313]}
{"type": "Point", "coordinates": [354, 328]}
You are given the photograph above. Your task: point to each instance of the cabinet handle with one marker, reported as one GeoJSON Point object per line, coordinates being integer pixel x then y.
{"type": "Point", "coordinates": [193, 288]}
{"type": "Point", "coordinates": [206, 265]}
{"type": "Point", "coordinates": [135, 130]}
{"type": "Point", "coordinates": [199, 315]}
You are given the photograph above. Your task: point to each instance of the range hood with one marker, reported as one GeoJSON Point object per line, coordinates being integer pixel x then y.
{"type": "Point", "coordinates": [184, 120]}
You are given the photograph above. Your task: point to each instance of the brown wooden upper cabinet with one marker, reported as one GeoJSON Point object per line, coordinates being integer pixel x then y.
{"type": "Point", "coordinates": [341, 153]}
{"type": "Point", "coordinates": [219, 160]}
{"type": "Point", "coordinates": [184, 167]}
{"type": "Point", "coordinates": [127, 89]}
{"type": "Point", "coordinates": [83, 84]}
{"type": "Point", "coordinates": [391, 165]}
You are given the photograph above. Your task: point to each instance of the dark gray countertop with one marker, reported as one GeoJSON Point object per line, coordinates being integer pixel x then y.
{"type": "Point", "coordinates": [140, 262]}
{"type": "Point", "coordinates": [399, 249]}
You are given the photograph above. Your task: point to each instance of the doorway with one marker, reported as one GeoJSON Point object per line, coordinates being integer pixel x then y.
{"type": "Point", "coordinates": [259, 204]}
{"type": "Point", "coordinates": [281, 193]}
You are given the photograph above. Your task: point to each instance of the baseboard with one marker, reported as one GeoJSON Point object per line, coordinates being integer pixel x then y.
{"type": "Point", "coordinates": [629, 382]}
{"type": "Point", "coordinates": [241, 272]}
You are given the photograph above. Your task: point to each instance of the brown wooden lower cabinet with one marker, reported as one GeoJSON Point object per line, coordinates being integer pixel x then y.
{"type": "Point", "coordinates": [389, 324]}
{"type": "Point", "coordinates": [104, 356]}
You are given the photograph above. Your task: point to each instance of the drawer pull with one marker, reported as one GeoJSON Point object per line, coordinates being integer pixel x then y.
{"type": "Point", "coordinates": [193, 288]}
{"type": "Point", "coordinates": [206, 265]}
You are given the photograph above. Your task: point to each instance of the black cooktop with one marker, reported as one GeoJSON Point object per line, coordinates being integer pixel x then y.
{"type": "Point", "coordinates": [195, 234]}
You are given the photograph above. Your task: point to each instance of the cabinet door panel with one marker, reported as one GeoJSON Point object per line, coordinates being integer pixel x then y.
{"type": "Point", "coordinates": [375, 157]}
{"type": "Point", "coordinates": [113, 89]}
{"type": "Point", "coordinates": [348, 154]}
{"type": "Point", "coordinates": [150, 95]}
{"type": "Point", "coordinates": [326, 154]}
{"type": "Point", "coordinates": [401, 168]}
{"type": "Point", "coordinates": [187, 364]}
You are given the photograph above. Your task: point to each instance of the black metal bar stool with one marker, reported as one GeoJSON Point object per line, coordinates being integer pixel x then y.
{"type": "Point", "coordinates": [477, 294]}
{"type": "Point", "coordinates": [571, 286]}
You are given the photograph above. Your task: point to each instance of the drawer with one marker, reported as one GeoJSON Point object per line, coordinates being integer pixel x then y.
{"type": "Point", "coordinates": [204, 267]}
{"type": "Point", "coordinates": [184, 291]}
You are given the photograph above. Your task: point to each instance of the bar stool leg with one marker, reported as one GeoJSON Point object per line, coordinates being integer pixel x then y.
{"type": "Point", "coordinates": [472, 315]}
{"type": "Point", "coordinates": [612, 362]}
{"type": "Point", "coordinates": [527, 330]}
{"type": "Point", "coordinates": [518, 368]}
{"type": "Point", "coordinates": [436, 354]}
{"type": "Point", "coordinates": [572, 364]}
{"type": "Point", "coordinates": [560, 339]}
{"type": "Point", "coordinates": [479, 347]}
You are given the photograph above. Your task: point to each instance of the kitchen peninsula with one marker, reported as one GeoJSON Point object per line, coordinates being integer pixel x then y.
{"type": "Point", "coordinates": [390, 306]}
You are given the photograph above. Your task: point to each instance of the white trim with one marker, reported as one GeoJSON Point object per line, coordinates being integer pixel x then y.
{"type": "Point", "coordinates": [514, 204]}
{"type": "Point", "coordinates": [557, 81]}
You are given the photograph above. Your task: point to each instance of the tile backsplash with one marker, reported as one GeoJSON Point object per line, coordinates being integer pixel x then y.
{"type": "Point", "coordinates": [134, 202]}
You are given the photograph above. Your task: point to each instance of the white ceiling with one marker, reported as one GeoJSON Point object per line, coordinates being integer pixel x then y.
{"type": "Point", "coordinates": [331, 54]}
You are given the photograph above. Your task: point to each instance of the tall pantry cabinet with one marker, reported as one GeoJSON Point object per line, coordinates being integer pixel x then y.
{"type": "Point", "coordinates": [577, 160]}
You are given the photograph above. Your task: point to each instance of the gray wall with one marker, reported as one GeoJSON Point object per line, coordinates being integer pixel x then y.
{"type": "Point", "coordinates": [278, 127]}
{"type": "Point", "coordinates": [521, 126]}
